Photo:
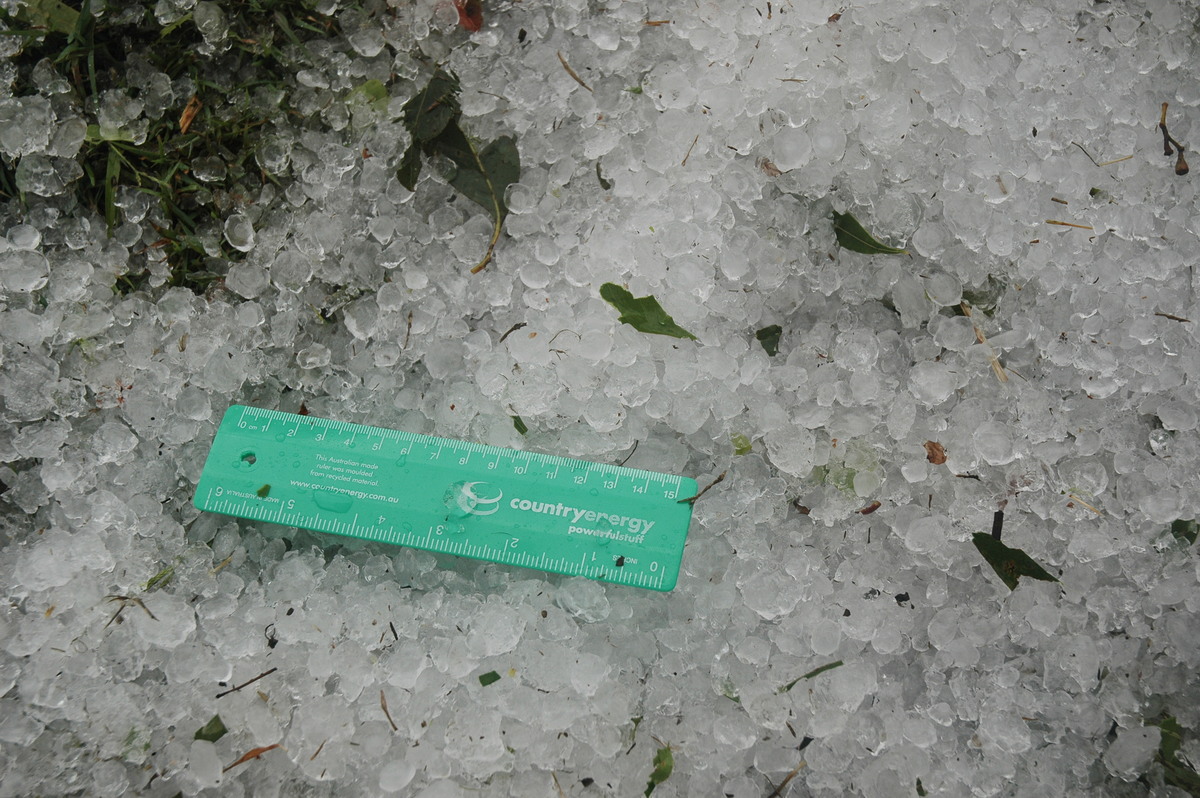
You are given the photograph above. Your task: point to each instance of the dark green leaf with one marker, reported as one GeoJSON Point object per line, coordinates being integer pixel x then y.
{"type": "Point", "coordinates": [519, 425]}
{"type": "Point", "coordinates": [644, 314]}
{"type": "Point", "coordinates": [1172, 737]}
{"type": "Point", "coordinates": [481, 179]}
{"type": "Point", "coordinates": [741, 445]}
{"type": "Point", "coordinates": [853, 236]}
{"type": "Point", "coordinates": [491, 677]}
{"type": "Point", "coordinates": [410, 168]}
{"type": "Point", "coordinates": [604, 184]}
{"type": "Point", "coordinates": [427, 114]}
{"type": "Point", "coordinates": [212, 731]}
{"type": "Point", "coordinates": [1185, 530]}
{"type": "Point", "coordinates": [769, 338]}
{"type": "Point", "coordinates": [921, 789]}
{"type": "Point", "coordinates": [814, 672]}
{"type": "Point", "coordinates": [1180, 775]}
{"type": "Point", "coordinates": [1010, 564]}
{"type": "Point", "coordinates": [452, 143]}
{"type": "Point", "coordinates": [664, 763]}
{"type": "Point", "coordinates": [502, 165]}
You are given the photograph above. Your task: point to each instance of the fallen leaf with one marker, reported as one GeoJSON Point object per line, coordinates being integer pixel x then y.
{"type": "Point", "coordinates": [644, 314]}
{"type": "Point", "coordinates": [664, 763]}
{"type": "Point", "coordinates": [853, 236]}
{"type": "Point", "coordinates": [470, 14]}
{"type": "Point", "coordinates": [212, 731]}
{"type": "Point", "coordinates": [189, 113]}
{"type": "Point", "coordinates": [769, 338]}
{"type": "Point", "coordinates": [1009, 564]}
{"type": "Point", "coordinates": [935, 452]}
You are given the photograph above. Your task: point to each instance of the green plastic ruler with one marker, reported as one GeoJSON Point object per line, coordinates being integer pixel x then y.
{"type": "Point", "coordinates": [534, 510]}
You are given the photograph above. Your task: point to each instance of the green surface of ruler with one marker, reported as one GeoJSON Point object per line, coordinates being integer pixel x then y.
{"type": "Point", "coordinates": [539, 511]}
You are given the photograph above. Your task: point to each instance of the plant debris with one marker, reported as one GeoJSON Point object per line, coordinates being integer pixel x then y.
{"type": "Point", "coordinates": [1176, 771]}
{"type": "Point", "coordinates": [253, 753]}
{"type": "Point", "coordinates": [644, 314]}
{"type": "Point", "coordinates": [470, 14]}
{"type": "Point", "coordinates": [692, 499]}
{"type": "Point", "coordinates": [854, 237]}
{"type": "Point", "coordinates": [814, 672]}
{"type": "Point", "coordinates": [383, 705]}
{"type": "Point", "coordinates": [664, 763]}
{"type": "Point", "coordinates": [481, 175]}
{"type": "Point", "coordinates": [935, 452]}
{"type": "Point", "coordinates": [562, 60]}
{"type": "Point", "coordinates": [1181, 166]}
{"type": "Point", "coordinates": [246, 684]}
{"type": "Point", "coordinates": [212, 731]}
{"type": "Point", "coordinates": [769, 338]}
{"type": "Point", "coordinates": [1009, 564]}
{"type": "Point", "coordinates": [1185, 530]}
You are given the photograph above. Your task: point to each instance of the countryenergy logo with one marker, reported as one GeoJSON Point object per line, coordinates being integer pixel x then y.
{"type": "Point", "coordinates": [607, 524]}
{"type": "Point", "coordinates": [473, 498]}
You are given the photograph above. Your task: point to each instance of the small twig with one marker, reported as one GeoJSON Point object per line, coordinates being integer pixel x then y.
{"type": "Point", "coordinates": [125, 602]}
{"type": "Point", "coordinates": [408, 331]}
{"type": "Point", "coordinates": [1114, 160]}
{"type": "Point", "coordinates": [318, 751]}
{"type": "Point", "coordinates": [560, 332]}
{"type": "Point", "coordinates": [572, 72]}
{"type": "Point", "coordinates": [388, 715]}
{"type": "Point", "coordinates": [1059, 201]}
{"type": "Point", "coordinates": [631, 451]}
{"type": "Point", "coordinates": [1069, 224]}
{"type": "Point", "coordinates": [392, 626]}
{"type": "Point", "coordinates": [1181, 166]}
{"type": "Point", "coordinates": [246, 684]}
{"type": "Point", "coordinates": [557, 786]}
{"type": "Point", "coordinates": [657, 22]}
{"type": "Point", "coordinates": [513, 329]}
{"type": "Point", "coordinates": [778, 791]}
{"type": "Point", "coordinates": [1085, 152]}
{"type": "Point", "coordinates": [1173, 317]}
{"type": "Point", "coordinates": [222, 565]}
{"type": "Point", "coordinates": [692, 500]}
{"type": "Point", "coordinates": [689, 152]}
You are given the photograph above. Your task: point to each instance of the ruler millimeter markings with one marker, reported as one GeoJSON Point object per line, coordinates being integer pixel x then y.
{"type": "Point", "coordinates": [540, 511]}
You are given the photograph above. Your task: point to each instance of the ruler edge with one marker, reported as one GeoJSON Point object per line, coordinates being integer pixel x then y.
{"type": "Point", "coordinates": [556, 459]}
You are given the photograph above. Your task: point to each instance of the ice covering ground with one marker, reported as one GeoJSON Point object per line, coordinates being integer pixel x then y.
{"type": "Point", "coordinates": [726, 137]}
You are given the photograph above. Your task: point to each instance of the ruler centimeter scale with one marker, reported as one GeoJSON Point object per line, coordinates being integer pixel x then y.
{"type": "Point", "coordinates": [551, 513]}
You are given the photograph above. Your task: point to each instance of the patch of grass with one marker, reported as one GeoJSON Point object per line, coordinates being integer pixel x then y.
{"type": "Point", "coordinates": [187, 157]}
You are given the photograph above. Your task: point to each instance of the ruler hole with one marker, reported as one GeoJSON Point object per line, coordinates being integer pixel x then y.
{"type": "Point", "coordinates": [248, 458]}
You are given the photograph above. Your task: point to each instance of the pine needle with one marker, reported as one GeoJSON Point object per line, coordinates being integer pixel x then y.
{"type": "Point", "coordinates": [572, 72]}
{"type": "Point", "coordinates": [253, 753]}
